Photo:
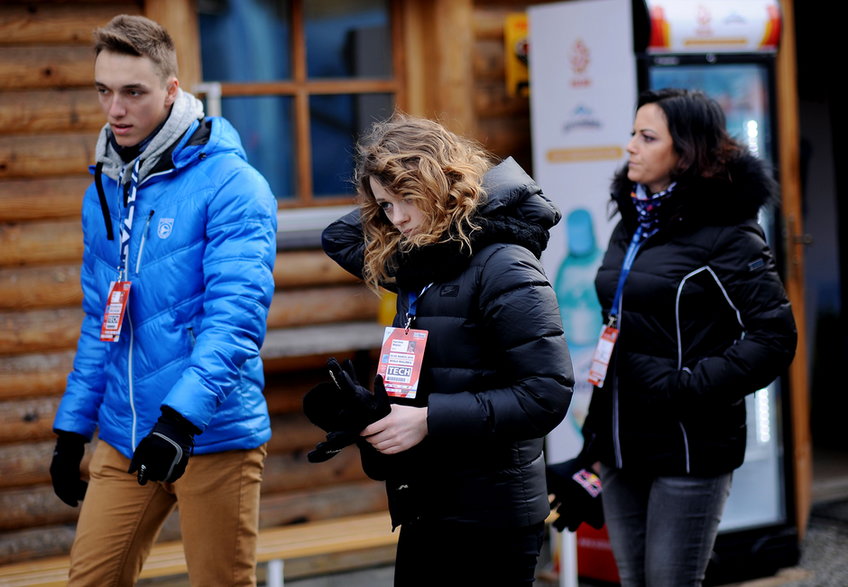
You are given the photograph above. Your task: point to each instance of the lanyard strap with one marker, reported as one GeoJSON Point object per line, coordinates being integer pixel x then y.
{"type": "Point", "coordinates": [629, 257]}
{"type": "Point", "coordinates": [412, 307]}
{"type": "Point", "coordinates": [126, 223]}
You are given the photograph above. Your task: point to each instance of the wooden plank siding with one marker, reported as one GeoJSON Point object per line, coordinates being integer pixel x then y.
{"type": "Point", "coordinates": [49, 120]}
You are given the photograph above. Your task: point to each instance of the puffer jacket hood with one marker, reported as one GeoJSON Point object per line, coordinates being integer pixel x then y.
{"type": "Point", "coordinates": [201, 253]}
{"type": "Point", "coordinates": [515, 211]}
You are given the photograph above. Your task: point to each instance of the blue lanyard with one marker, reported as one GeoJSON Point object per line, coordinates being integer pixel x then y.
{"type": "Point", "coordinates": [629, 257]}
{"type": "Point", "coordinates": [126, 223]}
{"type": "Point", "coordinates": [413, 305]}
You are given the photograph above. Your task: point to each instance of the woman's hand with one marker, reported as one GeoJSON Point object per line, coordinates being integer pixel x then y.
{"type": "Point", "coordinates": [402, 429]}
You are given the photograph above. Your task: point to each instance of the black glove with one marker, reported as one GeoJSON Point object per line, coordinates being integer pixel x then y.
{"type": "Point", "coordinates": [343, 409]}
{"type": "Point", "coordinates": [163, 454]}
{"type": "Point", "coordinates": [577, 495]}
{"type": "Point", "coordinates": [65, 467]}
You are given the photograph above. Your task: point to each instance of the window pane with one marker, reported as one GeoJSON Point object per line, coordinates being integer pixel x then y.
{"type": "Point", "coordinates": [245, 40]}
{"type": "Point", "coordinates": [348, 38]}
{"type": "Point", "coordinates": [335, 124]}
{"type": "Point", "coordinates": [266, 128]}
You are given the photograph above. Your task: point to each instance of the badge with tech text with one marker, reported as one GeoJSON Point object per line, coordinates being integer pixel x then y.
{"type": "Point", "coordinates": [601, 358]}
{"type": "Point", "coordinates": [401, 357]}
{"type": "Point", "coordinates": [116, 307]}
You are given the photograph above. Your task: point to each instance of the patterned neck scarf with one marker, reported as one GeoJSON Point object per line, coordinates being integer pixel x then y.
{"type": "Point", "coordinates": [647, 207]}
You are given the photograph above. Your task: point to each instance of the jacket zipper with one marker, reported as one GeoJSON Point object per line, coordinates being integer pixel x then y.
{"type": "Point", "coordinates": [143, 240]}
{"type": "Point", "coordinates": [130, 381]}
{"type": "Point", "coordinates": [616, 438]}
{"type": "Point", "coordinates": [132, 336]}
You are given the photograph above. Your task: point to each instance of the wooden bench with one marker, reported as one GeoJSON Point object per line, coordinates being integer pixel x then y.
{"type": "Point", "coordinates": [319, 547]}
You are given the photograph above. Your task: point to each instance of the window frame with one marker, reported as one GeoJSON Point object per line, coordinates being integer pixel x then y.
{"type": "Point", "coordinates": [300, 88]}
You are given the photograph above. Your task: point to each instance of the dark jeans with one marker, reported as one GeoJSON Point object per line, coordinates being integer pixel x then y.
{"type": "Point", "coordinates": [445, 554]}
{"type": "Point", "coordinates": [662, 529]}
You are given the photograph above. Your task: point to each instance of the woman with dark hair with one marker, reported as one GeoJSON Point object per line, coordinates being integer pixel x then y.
{"type": "Point", "coordinates": [697, 318]}
{"type": "Point", "coordinates": [458, 236]}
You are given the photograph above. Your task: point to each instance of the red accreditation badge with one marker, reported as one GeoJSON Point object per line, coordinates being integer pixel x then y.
{"type": "Point", "coordinates": [601, 358]}
{"type": "Point", "coordinates": [401, 357]}
{"type": "Point", "coordinates": [116, 307]}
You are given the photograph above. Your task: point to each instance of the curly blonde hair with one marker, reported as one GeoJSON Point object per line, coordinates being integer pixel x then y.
{"type": "Point", "coordinates": [419, 159]}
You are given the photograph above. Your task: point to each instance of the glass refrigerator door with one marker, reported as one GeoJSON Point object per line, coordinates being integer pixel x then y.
{"type": "Point", "coordinates": [757, 497]}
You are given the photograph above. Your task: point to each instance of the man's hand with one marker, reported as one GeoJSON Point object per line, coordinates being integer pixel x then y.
{"type": "Point", "coordinates": [163, 454]}
{"type": "Point", "coordinates": [402, 429]}
{"type": "Point", "coordinates": [65, 467]}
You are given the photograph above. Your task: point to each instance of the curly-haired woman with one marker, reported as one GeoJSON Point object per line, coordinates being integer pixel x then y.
{"type": "Point", "coordinates": [458, 237]}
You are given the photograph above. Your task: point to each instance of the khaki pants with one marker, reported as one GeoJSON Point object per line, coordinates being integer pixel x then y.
{"type": "Point", "coordinates": [218, 499]}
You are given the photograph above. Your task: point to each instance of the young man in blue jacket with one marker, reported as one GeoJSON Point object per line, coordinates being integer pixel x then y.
{"type": "Point", "coordinates": [180, 240]}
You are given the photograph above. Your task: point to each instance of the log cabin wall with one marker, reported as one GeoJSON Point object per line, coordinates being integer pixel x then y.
{"type": "Point", "coordinates": [501, 120]}
{"type": "Point", "coordinates": [49, 119]}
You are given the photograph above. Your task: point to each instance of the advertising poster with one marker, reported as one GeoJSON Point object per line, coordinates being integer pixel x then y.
{"type": "Point", "coordinates": [583, 80]}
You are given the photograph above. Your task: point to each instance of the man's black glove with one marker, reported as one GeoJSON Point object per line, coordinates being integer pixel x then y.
{"type": "Point", "coordinates": [163, 454]}
{"type": "Point", "coordinates": [343, 408]}
{"type": "Point", "coordinates": [65, 467]}
{"type": "Point", "coordinates": [577, 495]}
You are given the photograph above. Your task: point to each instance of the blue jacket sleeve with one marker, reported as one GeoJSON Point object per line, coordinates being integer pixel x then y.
{"type": "Point", "coordinates": [239, 285]}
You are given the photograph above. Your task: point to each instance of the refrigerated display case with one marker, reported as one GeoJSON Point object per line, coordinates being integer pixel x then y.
{"type": "Point", "coordinates": [757, 534]}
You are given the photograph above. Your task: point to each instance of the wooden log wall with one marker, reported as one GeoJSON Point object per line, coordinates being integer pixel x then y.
{"type": "Point", "coordinates": [502, 121]}
{"type": "Point", "coordinates": [49, 120]}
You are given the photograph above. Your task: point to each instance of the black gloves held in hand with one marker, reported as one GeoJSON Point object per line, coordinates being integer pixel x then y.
{"type": "Point", "coordinates": [163, 454]}
{"type": "Point", "coordinates": [343, 408]}
{"type": "Point", "coordinates": [65, 467]}
{"type": "Point", "coordinates": [577, 495]}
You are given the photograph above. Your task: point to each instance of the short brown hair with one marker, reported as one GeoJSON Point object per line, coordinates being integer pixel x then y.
{"type": "Point", "coordinates": [141, 37]}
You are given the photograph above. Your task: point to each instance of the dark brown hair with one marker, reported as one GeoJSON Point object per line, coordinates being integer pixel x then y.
{"type": "Point", "coordinates": [141, 37]}
{"type": "Point", "coordinates": [698, 130]}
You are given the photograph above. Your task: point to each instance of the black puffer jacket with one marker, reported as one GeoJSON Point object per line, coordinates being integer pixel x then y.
{"type": "Point", "coordinates": [496, 376]}
{"type": "Point", "coordinates": [704, 322]}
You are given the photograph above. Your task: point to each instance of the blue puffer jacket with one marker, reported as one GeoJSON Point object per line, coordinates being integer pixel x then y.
{"type": "Point", "coordinates": [201, 254]}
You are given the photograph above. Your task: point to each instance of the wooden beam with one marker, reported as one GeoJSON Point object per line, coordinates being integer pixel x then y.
{"type": "Point", "coordinates": [22, 288]}
{"type": "Point", "coordinates": [789, 134]}
{"type": "Point", "coordinates": [27, 420]}
{"type": "Point", "coordinates": [39, 330]}
{"type": "Point", "coordinates": [39, 156]}
{"type": "Point", "coordinates": [52, 110]}
{"type": "Point", "coordinates": [453, 47]}
{"type": "Point", "coordinates": [312, 306]}
{"type": "Point", "coordinates": [179, 17]}
{"type": "Point", "coordinates": [294, 269]}
{"type": "Point", "coordinates": [44, 198]}
{"type": "Point", "coordinates": [32, 375]}
{"type": "Point", "coordinates": [53, 242]}
{"type": "Point", "coordinates": [45, 66]}
{"type": "Point", "coordinates": [46, 22]}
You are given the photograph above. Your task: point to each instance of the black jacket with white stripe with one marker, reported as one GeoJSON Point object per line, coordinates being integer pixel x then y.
{"type": "Point", "coordinates": [704, 322]}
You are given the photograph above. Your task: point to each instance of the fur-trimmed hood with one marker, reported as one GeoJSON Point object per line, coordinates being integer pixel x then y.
{"type": "Point", "coordinates": [515, 212]}
{"type": "Point", "coordinates": [717, 201]}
